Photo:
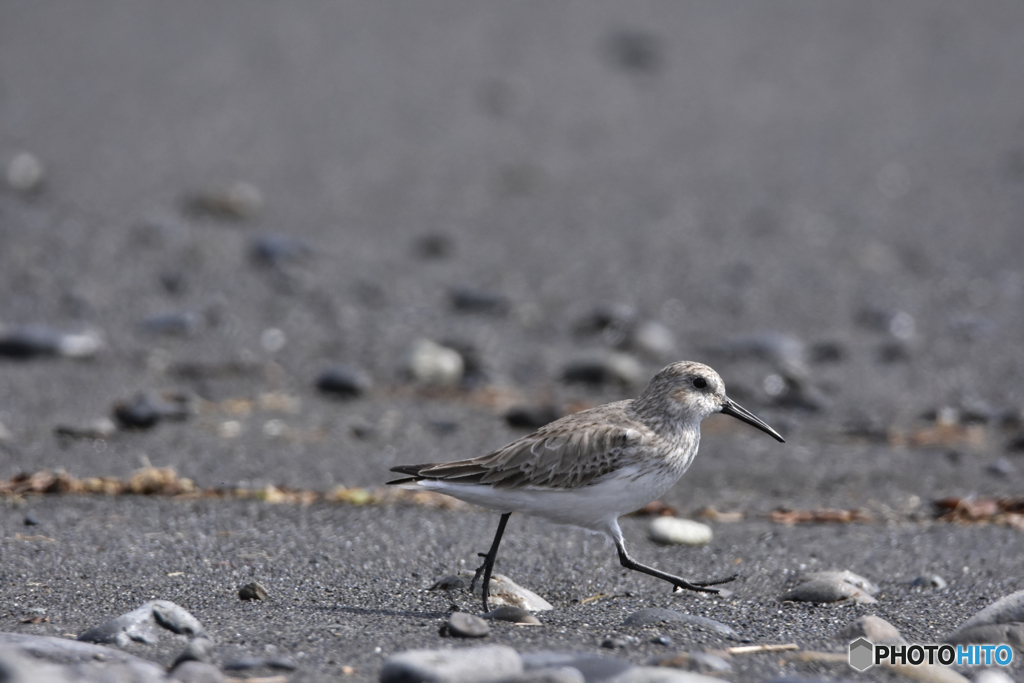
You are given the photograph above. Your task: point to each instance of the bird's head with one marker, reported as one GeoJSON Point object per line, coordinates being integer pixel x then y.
{"type": "Point", "coordinates": [689, 392]}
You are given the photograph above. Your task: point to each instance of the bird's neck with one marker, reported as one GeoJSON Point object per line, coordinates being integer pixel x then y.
{"type": "Point", "coordinates": [671, 427]}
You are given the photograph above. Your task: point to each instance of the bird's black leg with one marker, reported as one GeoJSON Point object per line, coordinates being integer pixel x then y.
{"type": "Point", "coordinates": [699, 586]}
{"type": "Point", "coordinates": [488, 564]}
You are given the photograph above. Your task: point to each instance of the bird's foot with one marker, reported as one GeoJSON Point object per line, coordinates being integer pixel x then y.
{"type": "Point", "coordinates": [479, 572]}
{"type": "Point", "coordinates": [703, 586]}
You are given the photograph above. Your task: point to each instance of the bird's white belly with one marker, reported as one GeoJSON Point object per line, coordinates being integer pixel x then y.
{"type": "Point", "coordinates": [590, 506]}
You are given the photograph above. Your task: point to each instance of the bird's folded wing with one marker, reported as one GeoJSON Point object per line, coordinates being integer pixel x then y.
{"type": "Point", "coordinates": [551, 457]}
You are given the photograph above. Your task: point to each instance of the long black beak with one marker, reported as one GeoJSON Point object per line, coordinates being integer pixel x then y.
{"type": "Point", "coordinates": [730, 407]}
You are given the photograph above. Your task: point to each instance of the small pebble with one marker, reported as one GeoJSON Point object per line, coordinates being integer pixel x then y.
{"type": "Point", "coordinates": [661, 640]}
{"type": "Point", "coordinates": [100, 428]}
{"type": "Point", "coordinates": [470, 300]}
{"type": "Point", "coordinates": [276, 250]}
{"type": "Point", "coordinates": [604, 368]}
{"type": "Point", "coordinates": [532, 417]}
{"type": "Point", "coordinates": [273, 339]}
{"type": "Point", "coordinates": [247, 663]}
{"type": "Point", "coordinates": [504, 591]}
{"type": "Point", "coordinates": [146, 409]}
{"type": "Point", "coordinates": [675, 531]}
{"type": "Point", "coordinates": [434, 246]}
{"type": "Point", "coordinates": [826, 590]}
{"type": "Point", "coordinates": [30, 519]}
{"type": "Point", "coordinates": [428, 362]}
{"type": "Point", "coordinates": [615, 323]}
{"type": "Point", "coordinates": [874, 628]}
{"type": "Point", "coordinates": [636, 51]}
{"type": "Point", "coordinates": [180, 323]}
{"type": "Point", "coordinates": [516, 615]}
{"type": "Point", "coordinates": [25, 172]}
{"type": "Point", "coordinates": [237, 201]}
{"type": "Point", "coordinates": [29, 341]}
{"type": "Point", "coordinates": [929, 581]}
{"type": "Point", "coordinates": [1000, 468]}
{"type": "Point", "coordinates": [448, 583]}
{"type": "Point", "coordinates": [344, 381]}
{"type": "Point", "coordinates": [463, 625]}
{"type": "Point", "coordinates": [253, 591]}
{"type": "Point", "coordinates": [654, 340]}
{"type": "Point", "coordinates": [844, 575]}
{"type": "Point", "coordinates": [618, 642]}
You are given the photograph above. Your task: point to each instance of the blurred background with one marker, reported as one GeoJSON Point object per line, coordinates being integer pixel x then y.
{"type": "Point", "coordinates": [217, 203]}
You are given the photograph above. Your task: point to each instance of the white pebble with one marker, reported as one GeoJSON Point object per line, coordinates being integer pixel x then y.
{"type": "Point", "coordinates": [675, 531]}
{"type": "Point", "coordinates": [430, 363]}
{"type": "Point", "coordinates": [25, 172]}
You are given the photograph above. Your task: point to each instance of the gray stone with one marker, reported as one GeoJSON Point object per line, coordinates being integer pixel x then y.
{"type": "Point", "coordinates": [237, 201]}
{"type": "Point", "coordinates": [25, 172]}
{"type": "Point", "coordinates": [1009, 608]}
{"type": "Point", "coordinates": [198, 650]}
{"type": "Point", "coordinates": [196, 672]}
{"type": "Point", "coordinates": [844, 575]}
{"type": "Point", "coordinates": [833, 586]}
{"type": "Point", "coordinates": [654, 340]}
{"type": "Point", "coordinates": [516, 615]}
{"type": "Point", "coordinates": [471, 300]}
{"type": "Point", "coordinates": [658, 674]}
{"type": "Point", "coordinates": [594, 668]}
{"type": "Point", "coordinates": [248, 663]}
{"type": "Point", "coordinates": [45, 659]}
{"type": "Point", "coordinates": [141, 624]}
{"type": "Point", "coordinates": [30, 341]}
{"type": "Point", "coordinates": [660, 615]}
{"type": "Point", "coordinates": [558, 674]}
{"type": "Point", "coordinates": [876, 629]}
{"type": "Point", "coordinates": [463, 625]}
{"type": "Point", "coordinates": [276, 250]}
{"type": "Point", "coordinates": [676, 531]}
{"type": "Point", "coordinates": [448, 583]}
{"type": "Point", "coordinates": [605, 367]}
{"type": "Point", "coordinates": [100, 428]}
{"type": "Point", "coordinates": [181, 323]}
{"type": "Point", "coordinates": [487, 664]}
{"type": "Point", "coordinates": [1011, 633]}
{"type": "Point", "coordinates": [343, 380]}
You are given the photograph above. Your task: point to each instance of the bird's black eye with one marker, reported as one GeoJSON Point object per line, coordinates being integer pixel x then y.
{"type": "Point", "coordinates": [700, 383]}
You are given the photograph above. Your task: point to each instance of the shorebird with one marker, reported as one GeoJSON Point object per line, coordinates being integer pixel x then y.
{"type": "Point", "coordinates": [590, 468]}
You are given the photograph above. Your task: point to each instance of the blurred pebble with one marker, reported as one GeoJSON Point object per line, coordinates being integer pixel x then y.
{"type": "Point", "coordinates": [448, 583]}
{"type": "Point", "coordinates": [532, 417]}
{"type": "Point", "coordinates": [100, 428]}
{"type": "Point", "coordinates": [6, 436]}
{"type": "Point", "coordinates": [675, 531]}
{"type": "Point", "coordinates": [928, 581]}
{"type": "Point", "coordinates": [176, 618]}
{"type": "Point", "coordinates": [504, 591]}
{"type": "Point", "coordinates": [470, 300]}
{"type": "Point", "coordinates": [30, 519]}
{"type": "Point", "coordinates": [844, 575]}
{"type": "Point", "coordinates": [659, 615]}
{"type": "Point", "coordinates": [237, 201]}
{"type": "Point", "coordinates": [614, 322]}
{"type": "Point", "coordinates": [838, 586]}
{"type": "Point", "coordinates": [703, 662]}
{"type": "Point", "coordinates": [636, 51]}
{"type": "Point", "coordinates": [147, 408]}
{"type": "Point", "coordinates": [173, 282]}
{"type": "Point", "coordinates": [828, 352]}
{"type": "Point", "coordinates": [428, 362]}
{"type": "Point", "coordinates": [516, 615]}
{"type": "Point", "coordinates": [789, 393]}
{"type": "Point", "coordinates": [618, 642]}
{"type": "Point", "coordinates": [253, 591]}
{"type": "Point", "coordinates": [972, 328]}
{"type": "Point", "coordinates": [654, 340]}
{"type": "Point", "coordinates": [661, 640]}
{"type": "Point", "coordinates": [1000, 622]}
{"type": "Point", "coordinates": [181, 323]}
{"type": "Point", "coordinates": [198, 650]}
{"type": "Point", "coordinates": [273, 339]}
{"type": "Point", "coordinates": [604, 368]}
{"type": "Point", "coordinates": [444, 427]}
{"type": "Point", "coordinates": [1000, 468]}
{"type": "Point", "coordinates": [27, 341]}
{"type": "Point", "coordinates": [487, 664]}
{"type": "Point", "coordinates": [248, 663]}
{"type": "Point", "coordinates": [992, 676]}
{"type": "Point", "coordinates": [895, 351]}
{"type": "Point", "coordinates": [876, 629]}
{"type": "Point", "coordinates": [344, 380]}
{"type": "Point", "coordinates": [25, 172]}
{"type": "Point", "coordinates": [594, 667]}
{"type": "Point", "coordinates": [434, 246]}
{"type": "Point", "coordinates": [278, 249]}
{"type": "Point", "coordinates": [899, 324]}
{"type": "Point", "coordinates": [786, 353]}
{"type": "Point", "coordinates": [462, 625]}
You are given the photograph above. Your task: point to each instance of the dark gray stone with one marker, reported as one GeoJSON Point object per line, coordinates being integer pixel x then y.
{"type": "Point", "coordinates": [253, 591]}
{"type": "Point", "coordinates": [248, 663]}
{"type": "Point", "coordinates": [343, 380]}
{"type": "Point", "coordinates": [471, 300]}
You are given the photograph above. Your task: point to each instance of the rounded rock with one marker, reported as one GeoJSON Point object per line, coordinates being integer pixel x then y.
{"type": "Point", "coordinates": [516, 615]}
{"type": "Point", "coordinates": [344, 380]}
{"type": "Point", "coordinates": [253, 591]}
{"type": "Point", "coordinates": [675, 531]}
{"type": "Point", "coordinates": [25, 172]}
{"type": "Point", "coordinates": [428, 362]}
{"type": "Point", "coordinates": [463, 625]}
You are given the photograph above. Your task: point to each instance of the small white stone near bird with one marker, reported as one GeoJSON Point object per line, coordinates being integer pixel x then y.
{"type": "Point", "coordinates": [675, 531]}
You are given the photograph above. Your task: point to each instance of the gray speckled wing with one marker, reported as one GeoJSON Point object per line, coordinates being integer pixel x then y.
{"type": "Point", "coordinates": [568, 453]}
